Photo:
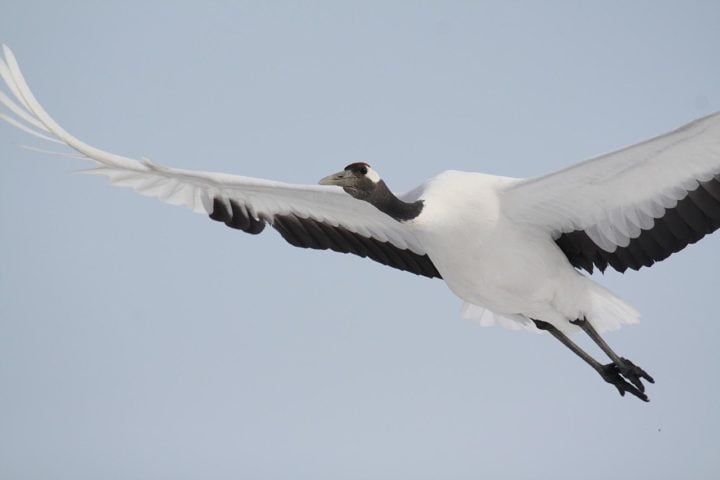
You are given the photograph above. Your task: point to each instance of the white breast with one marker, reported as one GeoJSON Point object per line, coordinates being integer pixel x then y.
{"type": "Point", "coordinates": [460, 228]}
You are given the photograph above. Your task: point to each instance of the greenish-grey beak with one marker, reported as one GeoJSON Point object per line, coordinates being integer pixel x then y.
{"type": "Point", "coordinates": [341, 179]}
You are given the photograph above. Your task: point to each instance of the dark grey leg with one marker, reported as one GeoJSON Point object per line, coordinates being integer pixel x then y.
{"type": "Point", "coordinates": [627, 368]}
{"type": "Point", "coordinates": [610, 372]}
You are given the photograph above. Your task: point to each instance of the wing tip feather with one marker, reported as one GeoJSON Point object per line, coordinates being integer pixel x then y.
{"type": "Point", "coordinates": [6, 51]}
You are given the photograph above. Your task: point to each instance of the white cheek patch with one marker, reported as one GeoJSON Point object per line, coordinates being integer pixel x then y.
{"type": "Point", "coordinates": [372, 175]}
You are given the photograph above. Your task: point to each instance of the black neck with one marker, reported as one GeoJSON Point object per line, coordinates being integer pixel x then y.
{"type": "Point", "coordinates": [384, 200]}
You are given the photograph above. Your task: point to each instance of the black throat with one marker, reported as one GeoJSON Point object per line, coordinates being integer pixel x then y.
{"type": "Point", "coordinates": [384, 200]}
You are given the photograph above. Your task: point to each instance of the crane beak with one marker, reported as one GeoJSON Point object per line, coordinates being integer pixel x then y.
{"type": "Point", "coordinates": [341, 179]}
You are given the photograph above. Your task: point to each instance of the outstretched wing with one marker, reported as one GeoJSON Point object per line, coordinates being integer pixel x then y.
{"type": "Point", "coordinates": [633, 207]}
{"type": "Point", "coordinates": [309, 216]}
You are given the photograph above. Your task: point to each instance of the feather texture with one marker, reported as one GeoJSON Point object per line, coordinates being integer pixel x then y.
{"type": "Point", "coordinates": [629, 208]}
{"type": "Point", "coordinates": [241, 202]}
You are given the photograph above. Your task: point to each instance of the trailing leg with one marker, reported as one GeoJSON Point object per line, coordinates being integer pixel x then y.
{"type": "Point", "coordinates": [610, 372]}
{"type": "Point", "coordinates": [627, 368]}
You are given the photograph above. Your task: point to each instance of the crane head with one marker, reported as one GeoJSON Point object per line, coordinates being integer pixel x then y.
{"type": "Point", "coordinates": [358, 179]}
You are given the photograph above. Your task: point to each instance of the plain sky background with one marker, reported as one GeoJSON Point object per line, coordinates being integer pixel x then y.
{"type": "Point", "coordinates": [141, 341]}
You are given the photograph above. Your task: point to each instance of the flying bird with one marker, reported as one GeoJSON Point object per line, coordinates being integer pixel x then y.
{"type": "Point", "coordinates": [512, 249]}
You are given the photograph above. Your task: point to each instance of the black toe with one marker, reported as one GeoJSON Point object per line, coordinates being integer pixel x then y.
{"type": "Point", "coordinates": [611, 373]}
{"type": "Point", "coordinates": [634, 373]}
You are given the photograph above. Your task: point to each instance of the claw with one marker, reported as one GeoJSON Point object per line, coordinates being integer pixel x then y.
{"type": "Point", "coordinates": [611, 373]}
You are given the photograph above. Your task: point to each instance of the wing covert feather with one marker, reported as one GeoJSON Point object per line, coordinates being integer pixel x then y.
{"type": "Point", "coordinates": [624, 203]}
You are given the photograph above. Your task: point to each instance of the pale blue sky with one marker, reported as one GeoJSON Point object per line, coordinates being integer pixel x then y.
{"type": "Point", "coordinates": [138, 340]}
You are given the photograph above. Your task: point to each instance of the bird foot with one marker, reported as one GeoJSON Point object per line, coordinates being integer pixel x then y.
{"type": "Point", "coordinates": [612, 374]}
{"type": "Point", "coordinates": [634, 373]}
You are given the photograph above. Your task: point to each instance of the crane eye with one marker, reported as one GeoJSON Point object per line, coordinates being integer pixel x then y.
{"type": "Point", "coordinates": [363, 170]}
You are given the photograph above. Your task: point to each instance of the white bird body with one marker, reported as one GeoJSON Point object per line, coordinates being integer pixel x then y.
{"type": "Point", "coordinates": [510, 248]}
{"type": "Point", "coordinates": [506, 271]}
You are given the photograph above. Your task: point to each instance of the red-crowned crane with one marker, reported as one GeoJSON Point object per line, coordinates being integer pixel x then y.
{"type": "Point", "coordinates": [510, 248]}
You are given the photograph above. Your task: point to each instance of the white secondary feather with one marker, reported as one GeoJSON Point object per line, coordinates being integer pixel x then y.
{"type": "Point", "coordinates": [263, 199]}
{"type": "Point", "coordinates": [615, 196]}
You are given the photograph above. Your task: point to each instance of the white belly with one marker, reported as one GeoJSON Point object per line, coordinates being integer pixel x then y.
{"type": "Point", "coordinates": [501, 272]}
